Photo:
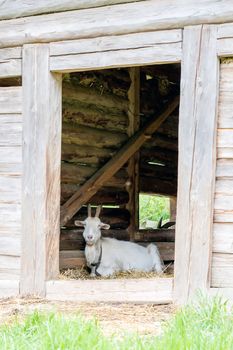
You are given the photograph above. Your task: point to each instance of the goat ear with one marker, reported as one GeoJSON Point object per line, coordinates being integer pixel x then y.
{"type": "Point", "coordinates": [79, 223]}
{"type": "Point", "coordinates": [104, 226]}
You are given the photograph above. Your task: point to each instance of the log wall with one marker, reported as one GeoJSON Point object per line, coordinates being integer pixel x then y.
{"type": "Point", "coordinates": [222, 259]}
{"type": "Point", "coordinates": [10, 182]}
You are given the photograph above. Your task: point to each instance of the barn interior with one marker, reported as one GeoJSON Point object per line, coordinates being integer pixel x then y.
{"type": "Point", "coordinates": [104, 114]}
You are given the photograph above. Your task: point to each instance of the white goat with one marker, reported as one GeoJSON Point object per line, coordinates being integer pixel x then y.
{"type": "Point", "coordinates": [105, 256]}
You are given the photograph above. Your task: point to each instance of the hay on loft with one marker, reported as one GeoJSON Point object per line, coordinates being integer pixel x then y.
{"type": "Point", "coordinates": [81, 273]}
{"type": "Point", "coordinates": [226, 60]}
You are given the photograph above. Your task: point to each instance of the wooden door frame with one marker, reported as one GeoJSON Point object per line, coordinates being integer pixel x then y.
{"type": "Point", "coordinates": [43, 65]}
{"type": "Point", "coordinates": [197, 161]}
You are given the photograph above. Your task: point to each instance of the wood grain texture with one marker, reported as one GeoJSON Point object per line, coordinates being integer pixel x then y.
{"type": "Point", "coordinates": [10, 62]}
{"type": "Point", "coordinates": [222, 270]}
{"type": "Point", "coordinates": [222, 258]}
{"type": "Point", "coordinates": [115, 43]}
{"type": "Point", "coordinates": [10, 184]}
{"type": "Point", "coordinates": [156, 291]}
{"type": "Point", "coordinates": [11, 100]}
{"type": "Point", "coordinates": [113, 20]}
{"type": "Point", "coordinates": [223, 238]}
{"type": "Point", "coordinates": [196, 168]}
{"type": "Point", "coordinates": [153, 54]}
{"type": "Point", "coordinates": [17, 8]}
{"type": "Point", "coordinates": [10, 68]}
{"type": "Point", "coordinates": [9, 267]}
{"type": "Point", "coordinates": [41, 171]}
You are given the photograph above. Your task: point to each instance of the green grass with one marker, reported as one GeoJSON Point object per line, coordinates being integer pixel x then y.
{"type": "Point", "coordinates": [153, 208]}
{"type": "Point", "coordinates": [204, 325]}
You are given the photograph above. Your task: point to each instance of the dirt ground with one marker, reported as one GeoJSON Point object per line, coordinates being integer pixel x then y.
{"type": "Point", "coordinates": [113, 318]}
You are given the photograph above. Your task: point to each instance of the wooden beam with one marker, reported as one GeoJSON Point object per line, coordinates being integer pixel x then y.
{"type": "Point", "coordinates": [112, 166]}
{"type": "Point", "coordinates": [133, 163]}
{"type": "Point", "coordinates": [41, 171]}
{"type": "Point", "coordinates": [154, 54]}
{"type": "Point", "coordinates": [197, 158]}
{"type": "Point", "coordinates": [112, 20]}
{"type": "Point", "coordinates": [16, 9]}
{"type": "Point", "coordinates": [155, 290]}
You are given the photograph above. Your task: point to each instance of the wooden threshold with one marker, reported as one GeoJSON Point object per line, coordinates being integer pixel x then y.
{"type": "Point", "coordinates": [145, 290]}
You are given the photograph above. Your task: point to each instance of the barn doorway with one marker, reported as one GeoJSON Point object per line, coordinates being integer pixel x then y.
{"type": "Point", "coordinates": [101, 110]}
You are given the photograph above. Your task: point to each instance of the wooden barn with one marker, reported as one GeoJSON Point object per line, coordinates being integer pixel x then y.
{"type": "Point", "coordinates": [100, 101]}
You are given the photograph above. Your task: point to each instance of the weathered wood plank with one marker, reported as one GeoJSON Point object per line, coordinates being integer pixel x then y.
{"type": "Point", "coordinates": [9, 267]}
{"type": "Point", "coordinates": [224, 187]}
{"type": "Point", "coordinates": [11, 100]}
{"type": "Point", "coordinates": [222, 270]}
{"type": "Point", "coordinates": [7, 169]}
{"type": "Point", "coordinates": [11, 53]}
{"type": "Point", "coordinates": [156, 290]}
{"type": "Point", "coordinates": [224, 168]}
{"type": "Point", "coordinates": [120, 42]}
{"type": "Point", "coordinates": [10, 213]}
{"type": "Point", "coordinates": [113, 20]}
{"type": "Point", "coordinates": [225, 31]}
{"type": "Point", "coordinates": [156, 54]}
{"type": "Point", "coordinates": [11, 154]}
{"type": "Point", "coordinates": [225, 47]}
{"type": "Point", "coordinates": [15, 8]}
{"type": "Point", "coordinates": [10, 129]}
{"type": "Point", "coordinates": [223, 238]}
{"type": "Point", "coordinates": [10, 188]}
{"type": "Point", "coordinates": [10, 245]}
{"type": "Point", "coordinates": [10, 68]}
{"type": "Point", "coordinates": [196, 166]}
{"type": "Point", "coordinates": [225, 152]}
{"type": "Point", "coordinates": [223, 202]}
{"type": "Point", "coordinates": [111, 167]}
{"type": "Point", "coordinates": [225, 137]}
{"type": "Point", "coordinates": [223, 216]}
{"type": "Point", "coordinates": [41, 171]}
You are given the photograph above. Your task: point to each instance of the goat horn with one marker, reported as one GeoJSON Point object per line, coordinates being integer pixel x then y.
{"type": "Point", "coordinates": [98, 210]}
{"type": "Point", "coordinates": [89, 210]}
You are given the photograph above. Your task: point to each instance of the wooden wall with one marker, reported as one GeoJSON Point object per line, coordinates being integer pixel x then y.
{"type": "Point", "coordinates": [222, 259]}
{"type": "Point", "coordinates": [10, 183]}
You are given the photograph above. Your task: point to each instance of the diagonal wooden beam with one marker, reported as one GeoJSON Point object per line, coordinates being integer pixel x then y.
{"type": "Point", "coordinates": [91, 186]}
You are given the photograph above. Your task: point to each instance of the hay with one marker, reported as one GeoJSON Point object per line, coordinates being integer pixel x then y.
{"type": "Point", "coordinates": [81, 273]}
{"type": "Point", "coordinates": [226, 60]}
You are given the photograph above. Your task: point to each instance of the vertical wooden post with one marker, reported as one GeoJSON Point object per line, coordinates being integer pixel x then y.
{"type": "Point", "coordinates": [41, 171]}
{"type": "Point", "coordinates": [133, 164]}
{"type": "Point", "coordinates": [197, 158]}
{"type": "Point", "coordinates": [173, 202]}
